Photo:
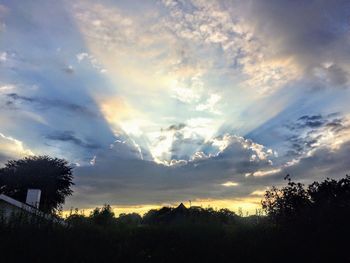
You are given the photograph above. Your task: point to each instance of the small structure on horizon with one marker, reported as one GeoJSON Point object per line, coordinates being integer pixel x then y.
{"type": "Point", "coordinates": [181, 207]}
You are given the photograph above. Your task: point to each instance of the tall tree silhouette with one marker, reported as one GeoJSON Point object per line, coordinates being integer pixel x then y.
{"type": "Point", "coordinates": [319, 202]}
{"type": "Point", "coordinates": [52, 176]}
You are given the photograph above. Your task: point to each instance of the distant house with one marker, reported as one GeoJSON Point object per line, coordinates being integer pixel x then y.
{"type": "Point", "coordinates": [181, 208]}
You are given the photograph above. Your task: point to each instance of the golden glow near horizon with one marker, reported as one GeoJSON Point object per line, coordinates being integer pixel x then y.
{"type": "Point", "coordinates": [248, 206]}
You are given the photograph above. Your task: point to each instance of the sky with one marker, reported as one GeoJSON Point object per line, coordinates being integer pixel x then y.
{"type": "Point", "coordinates": [166, 101]}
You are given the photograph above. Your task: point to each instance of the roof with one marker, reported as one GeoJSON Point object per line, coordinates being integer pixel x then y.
{"type": "Point", "coordinates": [19, 204]}
{"type": "Point", "coordinates": [181, 207]}
{"type": "Point", "coordinates": [30, 209]}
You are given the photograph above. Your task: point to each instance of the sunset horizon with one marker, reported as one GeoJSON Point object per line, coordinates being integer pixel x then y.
{"type": "Point", "coordinates": [157, 103]}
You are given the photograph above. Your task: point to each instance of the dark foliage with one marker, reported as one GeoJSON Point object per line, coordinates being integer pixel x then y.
{"type": "Point", "coordinates": [103, 216]}
{"type": "Point", "coordinates": [318, 216]}
{"type": "Point", "coordinates": [319, 203]}
{"type": "Point", "coordinates": [132, 219]}
{"type": "Point", "coordinates": [52, 176]}
{"type": "Point", "coordinates": [197, 215]}
{"type": "Point", "coordinates": [303, 224]}
{"type": "Point", "coordinates": [288, 203]}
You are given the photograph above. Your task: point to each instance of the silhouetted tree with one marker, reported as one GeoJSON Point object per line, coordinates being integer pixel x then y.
{"type": "Point", "coordinates": [192, 215]}
{"type": "Point", "coordinates": [325, 201]}
{"type": "Point", "coordinates": [103, 216]}
{"type": "Point", "coordinates": [287, 203]}
{"type": "Point", "coordinates": [331, 200]}
{"type": "Point", "coordinates": [52, 176]}
{"type": "Point", "coordinates": [132, 219]}
{"type": "Point", "coordinates": [226, 216]}
{"type": "Point", "coordinates": [77, 220]}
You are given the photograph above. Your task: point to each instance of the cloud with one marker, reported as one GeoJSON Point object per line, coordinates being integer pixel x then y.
{"type": "Point", "coordinates": [230, 165]}
{"type": "Point", "coordinates": [210, 104]}
{"type": "Point", "coordinates": [197, 57]}
{"type": "Point", "coordinates": [264, 173]}
{"type": "Point", "coordinates": [68, 136]}
{"type": "Point", "coordinates": [313, 34]}
{"type": "Point", "coordinates": [310, 132]}
{"type": "Point", "coordinates": [176, 127]}
{"type": "Point", "coordinates": [82, 56]}
{"type": "Point", "coordinates": [3, 57]}
{"type": "Point", "coordinates": [229, 184]}
{"type": "Point", "coordinates": [317, 149]}
{"type": "Point", "coordinates": [322, 163]}
{"type": "Point", "coordinates": [93, 160]}
{"type": "Point", "coordinates": [52, 103]}
{"type": "Point", "coordinates": [6, 88]}
{"type": "Point", "coordinates": [196, 94]}
{"type": "Point", "coordinates": [127, 148]}
{"type": "Point", "coordinates": [11, 148]}
{"type": "Point", "coordinates": [131, 180]}
{"type": "Point", "coordinates": [91, 59]}
{"type": "Point", "coordinates": [69, 69]}
{"type": "Point", "coordinates": [213, 24]}
{"type": "Point", "coordinates": [313, 121]}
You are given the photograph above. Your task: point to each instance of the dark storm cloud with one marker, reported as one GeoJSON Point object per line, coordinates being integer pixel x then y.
{"type": "Point", "coordinates": [313, 121]}
{"type": "Point", "coordinates": [15, 96]}
{"type": "Point", "coordinates": [134, 181]}
{"type": "Point", "coordinates": [336, 125]}
{"type": "Point", "coordinates": [50, 103]}
{"type": "Point", "coordinates": [69, 136]}
{"type": "Point", "coordinates": [176, 127]}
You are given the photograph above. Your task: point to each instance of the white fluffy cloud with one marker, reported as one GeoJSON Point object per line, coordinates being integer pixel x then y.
{"type": "Point", "coordinates": [11, 148]}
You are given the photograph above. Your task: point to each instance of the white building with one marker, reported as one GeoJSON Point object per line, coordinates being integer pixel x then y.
{"type": "Point", "coordinates": [10, 207]}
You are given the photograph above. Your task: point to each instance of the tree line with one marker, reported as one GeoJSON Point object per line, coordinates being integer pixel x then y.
{"type": "Point", "coordinates": [300, 223]}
